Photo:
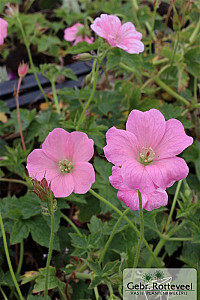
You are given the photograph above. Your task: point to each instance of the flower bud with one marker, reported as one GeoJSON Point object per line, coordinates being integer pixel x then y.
{"type": "Point", "coordinates": [23, 69]}
{"type": "Point", "coordinates": [84, 56]}
{"type": "Point", "coordinates": [42, 189]}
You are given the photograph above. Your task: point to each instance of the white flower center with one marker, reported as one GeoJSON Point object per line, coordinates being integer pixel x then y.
{"type": "Point", "coordinates": [147, 155]}
{"type": "Point", "coordinates": [65, 166]}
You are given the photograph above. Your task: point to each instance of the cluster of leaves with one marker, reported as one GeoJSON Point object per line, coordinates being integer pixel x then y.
{"type": "Point", "coordinates": [159, 80]}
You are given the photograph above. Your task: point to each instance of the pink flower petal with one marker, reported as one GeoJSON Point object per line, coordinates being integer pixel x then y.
{"type": "Point", "coordinates": [83, 176]}
{"type": "Point", "coordinates": [130, 198]}
{"type": "Point", "coordinates": [70, 33]}
{"type": "Point", "coordinates": [62, 185]}
{"type": "Point", "coordinates": [116, 179]}
{"type": "Point", "coordinates": [156, 199]}
{"type": "Point", "coordinates": [121, 146]}
{"type": "Point", "coordinates": [78, 39]}
{"type": "Point", "coordinates": [3, 30]}
{"type": "Point", "coordinates": [166, 171]}
{"type": "Point", "coordinates": [135, 176]}
{"type": "Point", "coordinates": [89, 40]}
{"type": "Point", "coordinates": [39, 165]}
{"type": "Point", "coordinates": [148, 127]}
{"type": "Point", "coordinates": [129, 39]}
{"type": "Point", "coordinates": [174, 140]}
{"type": "Point", "coordinates": [106, 26]}
{"type": "Point", "coordinates": [83, 146]}
{"type": "Point", "coordinates": [58, 145]}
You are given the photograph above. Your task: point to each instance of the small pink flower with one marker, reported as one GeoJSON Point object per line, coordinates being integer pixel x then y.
{"type": "Point", "coordinates": [72, 34]}
{"type": "Point", "coordinates": [63, 160]}
{"type": "Point", "coordinates": [146, 151]}
{"type": "Point", "coordinates": [3, 30]}
{"type": "Point", "coordinates": [150, 201]}
{"type": "Point", "coordinates": [122, 36]}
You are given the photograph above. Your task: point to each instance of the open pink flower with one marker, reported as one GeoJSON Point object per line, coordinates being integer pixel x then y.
{"type": "Point", "coordinates": [122, 36]}
{"type": "Point", "coordinates": [63, 160]}
{"type": "Point", "coordinates": [150, 201]}
{"type": "Point", "coordinates": [3, 30]}
{"type": "Point", "coordinates": [72, 34]}
{"type": "Point", "coordinates": [146, 151]}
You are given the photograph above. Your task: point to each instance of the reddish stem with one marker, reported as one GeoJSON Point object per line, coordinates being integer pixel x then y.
{"type": "Point", "coordinates": [18, 113]}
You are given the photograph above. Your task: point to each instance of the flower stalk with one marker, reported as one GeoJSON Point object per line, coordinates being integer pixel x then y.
{"type": "Point", "coordinates": [50, 247]}
{"type": "Point", "coordinates": [141, 231]}
{"type": "Point", "coordinates": [18, 113]}
{"type": "Point", "coordinates": [8, 259]}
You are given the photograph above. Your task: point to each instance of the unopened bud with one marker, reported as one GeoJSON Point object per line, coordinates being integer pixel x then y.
{"type": "Point", "coordinates": [23, 69]}
{"type": "Point", "coordinates": [84, 56]}
{"type": "Point", "coordinates": [42, 189]}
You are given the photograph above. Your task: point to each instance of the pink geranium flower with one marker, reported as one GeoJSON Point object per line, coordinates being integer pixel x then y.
{"type": "Point", "coordinates": [72, 34]}
{"type": "Point", "coordinates": [63, 161]}
{"type": "Point", "coordinates": [146, 151]}
{"type": "Point", "coordinates": [150, 201]}
{"type": "Point", "coordinates": [3, 30]}
{"type": "Point", "coordinates": [123, 36]}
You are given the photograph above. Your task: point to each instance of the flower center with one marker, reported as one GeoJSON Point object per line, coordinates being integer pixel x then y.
{"type": "Point", "coordinates": [65, 166]}
{"type": "Point", "coordinates": [147, 155]}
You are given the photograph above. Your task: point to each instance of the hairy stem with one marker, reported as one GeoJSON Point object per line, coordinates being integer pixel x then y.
{"type": "Point", "coordinates": [30, 58]}
{"type": "Point", "coordinates": [8, 259]}
{"type": "Point", "coordinates": [18, 113]}
{"type": "Point", "coordinates": [141, 231]}
{"type": "Point", "coordinates": [112, 235]}
{"type": "Point", "coordinates": [71, 223]}
{"type": "Point", "coordinates": [128, 221]}
{"type": "Point", "coordinates": [50, 249]}
{"type": "Point", "coordinates": [55, 97]}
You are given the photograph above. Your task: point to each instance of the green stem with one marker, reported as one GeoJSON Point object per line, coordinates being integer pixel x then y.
{"type": "Point", "coordinates": [82, 116]}
{"type": "Point", "coordinates": [183, 239]}
{"type": "Point", "coordinates": [170, 91]}
{"type": "Point", "coordinates": [194, 102]}
{"type": "Point", "coordinates": [173, 204]}
{"type": "Point", "coordinates": [21, 255]}
{"type": "Point", "coordinates": [111, 236]}
{"type": "Point", "coordinates": [160, 61]}
{"type": "Point", "coordinates": [50, 250]}
{"type": "Point", "coordinates": [96, 293]}
{"type": "Point", "coordinates": [110, 290]}
{"type": "Point", "coordinates": [71, 223]}
{"type": "Point", "coordinates": [30, 59]}
{"type": "Point", "coordinates": [4, 295]}
{"type": "Point", "coordinates": [15, 181]}
{"type": "Point", "coordinates": [128, 221]}
{"type": "Point", "coordinates": [55, 97]}
{"type": "Point", "coordinates": [195, 32]}
{"type": "Point", "coordinates": [8, 259]}
{"type": "Point", "coordinates": [141, 231]}
{"type": "Point", "coordinates": [156, 252]}
{"type": "Point", "coordinates": [129, 69]}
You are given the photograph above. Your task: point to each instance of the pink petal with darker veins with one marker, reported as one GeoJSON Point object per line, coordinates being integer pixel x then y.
{"type": "Point", "coordinates": [3, 30]}
{"type": "Point", "coordinates": [135, 176]}
{"type": "Point", "coordinates": [121, 146]}
{"type": "Point", "coordinates": [58, 145]}
{"type": "Point", "coordinates": [156, 199]}
{"type": "Point", "coordinates": [39, 165]}
{"type": "Point", "coordinates": [174, 140]}
{"type": "Point", "coordinates": [166, 171]}
{"type": "Point", "coordinates": [106, 26]}
{"type": "Point", "coordinates": [83, 176]}
{"type": "Point", "coordinates": [148, 127]}
{"type": "Point", "coordinates": [83, 146]}
{"type": "Point", "coordinates": [62, 185]}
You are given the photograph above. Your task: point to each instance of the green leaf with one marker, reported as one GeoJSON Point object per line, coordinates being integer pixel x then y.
{"type": "Point", "coordinates": [171, 111]}
{"type": "Point", "coordinates": [192, 58]}
{"type": "Point", "coordinates": [29, 276]}
{"type": "Point", "coordinates": [40, 232]}
{"type": "Point", "coordinates": [20, 231]}
{"type": "Point", "coordinates": [79, 242]}
{"type": "Point", "coordinates": [53, 281]}
{"type": "Point", "coordinates": [3, 107]}
{"type": "Point", "coordinates": [172, 246]}
{"type": "Point", "coordinates": [29, 205]}
{"type": "Point", "coordinates": [26, 117]}
{"type": "Point", "coordinates": [95, 282]}
{"type": "Point", "coordinates": [83, 47]}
